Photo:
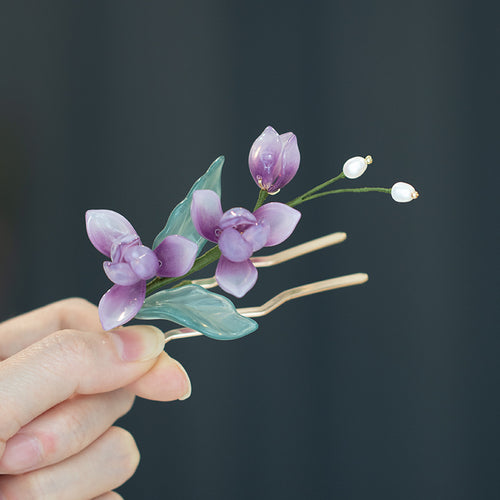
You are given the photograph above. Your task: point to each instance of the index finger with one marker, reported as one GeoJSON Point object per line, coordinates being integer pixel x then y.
{"type": "Point", "coordinates": [20, 332]}
{"type": "Point", "coordinates": [73, 362]}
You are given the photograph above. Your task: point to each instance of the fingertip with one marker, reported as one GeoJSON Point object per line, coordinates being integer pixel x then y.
{"type": "Point", "coordinates": [111, 495]}
{"type": "Point", "coordinates": [167, 380]}
{"type": "Point", "coordinates": [188, 388]}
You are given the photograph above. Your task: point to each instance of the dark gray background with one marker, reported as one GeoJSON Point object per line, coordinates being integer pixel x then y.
{"type": "Point", "coordinates": [386, 391]}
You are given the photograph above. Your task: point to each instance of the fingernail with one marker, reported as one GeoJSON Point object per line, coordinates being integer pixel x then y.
{"type": "Point", "coordinates": [139, 342]}
{"type": "Point", "coordinates": [187, 392]}
{"type": "Point", "coordinates": [21, 452]}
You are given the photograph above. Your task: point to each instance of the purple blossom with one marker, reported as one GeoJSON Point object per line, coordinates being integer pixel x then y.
{"type": "Point", "coordinates": [132, 263]}
{"type": "Point", "coordinates": [239, 233]}
{"type": "Point", "coordinates": [274, 159]}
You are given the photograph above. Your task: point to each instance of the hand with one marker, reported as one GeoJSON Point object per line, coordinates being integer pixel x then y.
{"type": "Point", "coordinates": [63, 382]}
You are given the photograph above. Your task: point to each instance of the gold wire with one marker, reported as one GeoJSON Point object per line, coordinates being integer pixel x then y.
{"type": "Point", "coordinates": [280, 299]}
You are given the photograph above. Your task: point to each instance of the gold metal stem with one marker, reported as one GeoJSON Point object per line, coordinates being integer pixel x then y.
{"type": "Point", "coordinates": [297, 251]}
{"type": "Point", "coordinates": [302, 291]}
{"type": "Point", "coordinates": [281, 298]}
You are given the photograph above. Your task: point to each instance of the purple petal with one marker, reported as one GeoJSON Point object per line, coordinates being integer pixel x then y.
{"type": "Point", "coordinates": [120, 304]}
{"type": "Point", "coordinates": [281, 218]}
{"type": "Point", "coordinates": [290, 160]}
{"type": "Point", "coordinates": [257, 235]}
{"type": "Point", "coordinates": [206, 212]}
{"type": "Point", "coordinates": [237, 217]}
{"type": "Point", "coordinates": [120, 273]}
{"type": "Point", "coordinates": [264, 156]}
{"type": "Point", "coordinates": [236, 278]}
{"type": "Point", "coordinates": [284, 138]}
{"type": "Point", "coordinates": [119, 246]}
{"type": "Point", "coordinates": [143, 261]}
{"type": "Point", "coordinates": [176, 255]}
{"type": "Point", "coordinates": [233, 246]}
{"type": "Point", "coordinates": [104, 227]}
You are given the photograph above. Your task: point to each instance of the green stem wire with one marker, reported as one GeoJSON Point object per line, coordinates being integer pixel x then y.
{"type": "Point", "coordinates": [301, 199]}
{"type": "Point", "coordinates": [262, 198]}
{"type": "Point", "coordinates": [207, 258]}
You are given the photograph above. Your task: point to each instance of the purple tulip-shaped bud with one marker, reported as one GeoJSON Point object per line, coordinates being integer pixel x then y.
{"type": "Point", "coordinates": [274, 159]}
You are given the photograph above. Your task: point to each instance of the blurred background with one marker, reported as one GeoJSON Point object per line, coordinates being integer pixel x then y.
{"type": "Point", "coordinates": [386, 390]}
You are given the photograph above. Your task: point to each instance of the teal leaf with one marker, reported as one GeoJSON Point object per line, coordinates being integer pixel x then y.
{"type": "Point", "coordinates": [199, 309]}
{"type": "Point", "coordinates": [180, 221]}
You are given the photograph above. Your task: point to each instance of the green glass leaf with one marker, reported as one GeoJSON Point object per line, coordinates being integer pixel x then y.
{"type": "Point", "coordinates": [199, 309]}
{"type": "Point", "coordinates": [180, 221]}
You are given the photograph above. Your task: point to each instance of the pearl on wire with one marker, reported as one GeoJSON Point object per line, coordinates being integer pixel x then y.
{"type": "Point", "coordinates": [403, 192]}
{"type": "Point", "coordinates": [355, 167]}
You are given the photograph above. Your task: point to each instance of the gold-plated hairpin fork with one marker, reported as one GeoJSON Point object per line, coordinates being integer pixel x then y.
{"type": "Point", "coordinates": [278, 300]}
{"type": "Point", "coordinates": [285, 295]}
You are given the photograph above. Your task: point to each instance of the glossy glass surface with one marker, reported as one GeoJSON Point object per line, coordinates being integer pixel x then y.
{"type": "Point", "coordinates": [197, 308]}
{"type": "Point", "coordinates": [180, 221]}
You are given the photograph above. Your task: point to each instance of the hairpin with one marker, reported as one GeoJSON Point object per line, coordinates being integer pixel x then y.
{"type": "Point", "coordinates": [154, 283]}
{"type": "Point", "coordinates": [278, 300]}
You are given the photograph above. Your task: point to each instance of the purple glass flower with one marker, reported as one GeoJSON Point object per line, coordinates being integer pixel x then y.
{"type": "Point", "coordinates": [239, 233]}
{"type": "Point", "coordinates": [132, 263]}
{"type": "Point", "coordinates": [274, 159]}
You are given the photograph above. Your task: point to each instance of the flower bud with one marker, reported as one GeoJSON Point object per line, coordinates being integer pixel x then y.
{"type": "Point", "coordinates": [274, 159]}
{"type": "Point", "coordinates": [403, 192]}
{"type": "Point", "coordinates": [355, 167]}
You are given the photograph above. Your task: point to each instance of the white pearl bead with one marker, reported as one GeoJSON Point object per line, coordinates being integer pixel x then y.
{"type": "Point", "coordinates": [355, 167]}
{"type": "Point", "coordinates": [403, 192]}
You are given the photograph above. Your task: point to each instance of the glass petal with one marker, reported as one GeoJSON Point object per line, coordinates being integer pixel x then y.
{"type": "Point", "coordinates": [180, 221]}
{"type": "Point", "coordinates": [257, 235]}
{"type": "Point", "coordinates": [263, 157]}
{"type": "Point", "coordinates": [290, 160]}
{"type": "Point", "coordinates": [206, 212]}
{"type": "Point", "coordinates": [237, 217]}
{"type": "Point", "coordinates": [120, 273]}
{"type": "Point", "coordinates": [194, 307]}
{"type": "Point", "coordinates": [281, 218]}
{"type": "Point", "coordinates": [120, 304]}
{"type": "Point", "coordinates": [119, 247]}
{"type": "Point", "coordinates": [104, 227]}
{"type": "Point", "coordinates": [284, 138]}
{"type": "Point", "coordinates": [236, 278]}
{"type": "Point", "coordinates": [176, 255]}
{"type": "Point", "coordinates": [142, 260]}
{"type": "Point", "coordinates": [233, 246]}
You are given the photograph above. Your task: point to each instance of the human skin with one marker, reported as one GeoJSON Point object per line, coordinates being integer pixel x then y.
{"type": "Point", "coordinates": [63, 382]}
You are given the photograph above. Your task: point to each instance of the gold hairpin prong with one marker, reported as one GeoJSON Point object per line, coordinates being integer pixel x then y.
{"type": "Point", "coordinates": [302, 291]}
{"type": "Point", "coordinates": [299, 250]}
{"type": "Point", "coordinates": [285, 255]}
{"type": "Point", "coordinates": [278, 300]}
